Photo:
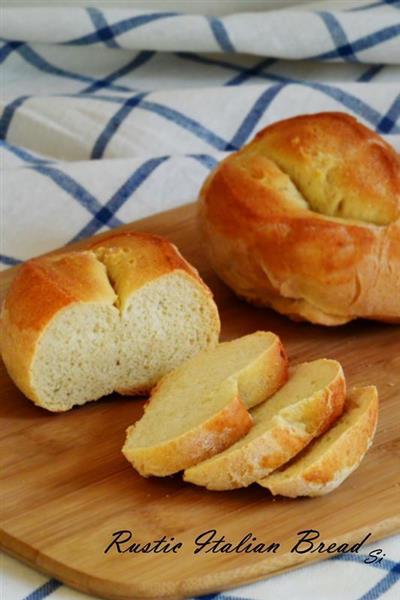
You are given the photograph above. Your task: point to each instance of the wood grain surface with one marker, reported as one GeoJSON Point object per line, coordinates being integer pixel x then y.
{"type": "Point", "coordinates": [66, 488]}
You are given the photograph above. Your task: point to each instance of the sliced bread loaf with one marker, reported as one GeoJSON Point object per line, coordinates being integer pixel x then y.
{"type": "Point", "coordinates": [330, 459]}
{"type": "Point", "coordinates": [118, 316]}
{"type": "Point", "coordinates": [200, 408]}
{"type": "Point", "coordinates": [302, 409]}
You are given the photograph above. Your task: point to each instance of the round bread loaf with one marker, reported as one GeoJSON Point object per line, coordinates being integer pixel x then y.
{"type": "Point", "coordinates": [117, 316]}
{"type": "Point", "coordinates": [306, 219]}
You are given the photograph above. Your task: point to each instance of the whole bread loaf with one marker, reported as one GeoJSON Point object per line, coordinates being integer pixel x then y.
{"type": "Point", "coordinates": [115, 317]}
{"type": "Point", "coordinates": [306, 219]}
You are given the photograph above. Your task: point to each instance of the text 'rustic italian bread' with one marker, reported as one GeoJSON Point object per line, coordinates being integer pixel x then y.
{"type": "Point", "coordinates": [331, 458]}
{"type": "Point", "coordinates": [115, 317]}
{"type": "Point", "coordinates": [306, 219]}
{"type": "Point", "coordinates": [302, 409]}
{"type": "Point", "coordinates": [200, 408]}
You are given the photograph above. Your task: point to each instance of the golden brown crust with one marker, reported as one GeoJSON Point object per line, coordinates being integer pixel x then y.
{"type": "Point", "coordinates": [132, 259]}
{"type": "Point", "coordinates": [214, 435]}
{"type": "Point", "coordinates": [333, 150]}
{"type": "Point", "coordinates": [306, 219]}
{"type": "Point", "coordinates": [327, 471]}
{"type": "Point", "coordinates": [261, 377]}
{"type": "Point", "coordinates": [276, 446]}
{"type": "Point", "coordinates": [45, 286]}
{"type": "Point", "coordinates": [41, 289]}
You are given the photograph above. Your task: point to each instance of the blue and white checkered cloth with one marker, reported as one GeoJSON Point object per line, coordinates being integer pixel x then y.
{"type": "Point", "coordinates": [111, 115]}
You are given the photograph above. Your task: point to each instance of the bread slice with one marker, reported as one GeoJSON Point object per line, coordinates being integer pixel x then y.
{"type": "Point", "coordinates": [330, 459]}
{"type": "Point", "coordinates": [302, 409]}
{"type": "Point", "coordinates": [117, 316]}
{"type": "Point", "coordinates": [201, 408]}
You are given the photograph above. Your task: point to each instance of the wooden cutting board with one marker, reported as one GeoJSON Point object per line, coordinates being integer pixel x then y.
{"type": "Point", "coordinates": [66, 488]}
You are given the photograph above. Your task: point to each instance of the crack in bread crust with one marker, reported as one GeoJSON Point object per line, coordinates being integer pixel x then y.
{"type": "Point", "coordinates": [80, 325]}
{"type": "Point", "coordinates": [265, 240]}
{"type": "Point", "coordinates": [331, 159]}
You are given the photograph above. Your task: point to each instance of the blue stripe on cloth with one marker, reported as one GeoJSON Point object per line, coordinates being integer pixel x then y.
{"type": "Point", "coordinates": [393, 575]}
{"type": "Point", "coordinates": [338, 35]}
{"type": "Point", "coordinates": [353, 103]}
{"type": "Point", "coordinates": [364, 43]}
{"type": "Point", "coordinates": [256, 71]}
{"type": "Point", "coordinates": [205, 60]}
{"type": "Point", "coordinates": [166, 112]}
{"type": "Point", "coordinates": [44, 590]}
{"type": "Point", "coordinates": [24, 154]}
{"type": "Point", "coordinates": [189, 124]}
{"type": "Point", "coordinates": [113, 125]}
{"type": "Point", "coordinates": [243, 73]}
{"type": "Point", "coordinates": [102, 27]}
{"type": "Point", "coordinates": [7, 49]}
{"type": "Point", "coordinates": [370, 73]}
{"type": "Point", "coordinates": [8, 114]}
{"type": "Point", "coordinates": [76, 191]}
{"type": "Point", "coordinates": [9, 260]}
{"type": "Point", "coordinates": [255, 114]}
{"type": "Point", "coordinates": [220, 34]}
{"type": "Point", "coordinates": [381, 123]}
{"type": "Point", "coordinates": [356, 105]}
{"type": "Point", "coordinates": [83, 96]}
{"type": "Point", "coordinates": [111, 31]}
{"type": "Point", "coordinates": [208, 161]}
{"type": "Point", "coordinates": [387, 124]}
{"type": "Point", "coordinates": [348, 100]}
{"type": "Point", "coordinates": [140, 59]}
{"type": "Point", "coordinates": [394, 3]}
{"type": "Point", "coordinates": [37, 61]}
{"type": "Point", "coordinates": [375, 592]}
{"type": "Point", "coordinates": [120, 197]}
{"type": "Point", "coordinates": [383, 585]}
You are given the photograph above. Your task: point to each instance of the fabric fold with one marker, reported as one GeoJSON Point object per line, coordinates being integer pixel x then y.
{"type": "Point", "coordinates": [367, 36]}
